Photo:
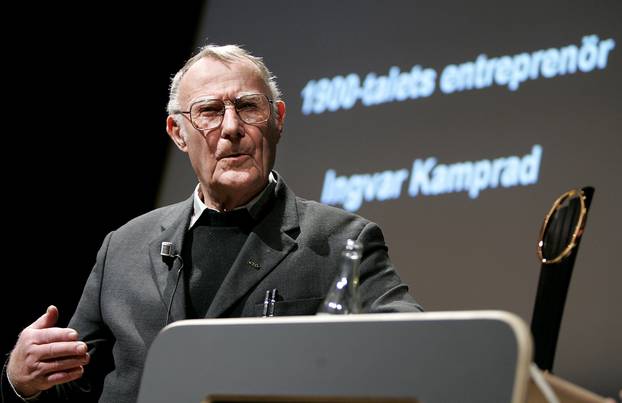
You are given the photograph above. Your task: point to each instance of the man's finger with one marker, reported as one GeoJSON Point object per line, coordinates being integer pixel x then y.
{"type": "Point", "coordinates": [65, 364]}
{"type": "Point", "coordinates": [64, 376]}
{"type": "Point", "coordinates": [56, 350]}
{"type": "Point", "coordinates": [48, 319]}
{"type": "Point", "coordinates": [53, 335]}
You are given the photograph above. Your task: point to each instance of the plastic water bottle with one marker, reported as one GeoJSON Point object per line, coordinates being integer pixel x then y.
{"type": "Point", "coordinates": [342, 297]}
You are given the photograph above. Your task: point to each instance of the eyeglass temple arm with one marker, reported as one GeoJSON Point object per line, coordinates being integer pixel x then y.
{"type": "Point", "coordinates": [550, 300]}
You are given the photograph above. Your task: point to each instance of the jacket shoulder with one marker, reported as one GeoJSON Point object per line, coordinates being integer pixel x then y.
{"type": "Point", "coordinates": [322, 219]}
{"type": "Point", "coordinates": [153, 220]}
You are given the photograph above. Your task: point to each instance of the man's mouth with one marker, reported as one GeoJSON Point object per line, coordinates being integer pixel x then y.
{"type": "Point", "coordinates": [233, 156]}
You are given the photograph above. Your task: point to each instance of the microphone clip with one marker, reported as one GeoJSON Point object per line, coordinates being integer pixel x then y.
{"type": "Point", "coordinates": [167, 249]}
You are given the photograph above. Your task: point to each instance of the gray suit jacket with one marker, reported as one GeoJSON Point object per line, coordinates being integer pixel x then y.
{"type": "Point", "coordinates": [294, 248]}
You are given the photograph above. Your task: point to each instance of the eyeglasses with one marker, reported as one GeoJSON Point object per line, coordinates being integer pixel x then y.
{"type": "Point", "coordinates": [208, 114]}
{"type": "Point", "coordinates": [562, 227]}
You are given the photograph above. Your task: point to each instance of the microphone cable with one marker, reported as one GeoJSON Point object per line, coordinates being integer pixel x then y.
{"type": "Point", "coordinates": [178, 276]}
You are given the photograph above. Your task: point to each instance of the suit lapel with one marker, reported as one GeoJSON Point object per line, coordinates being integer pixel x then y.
{"type": "Point", "coordinates": [164, 269]}
{"type": "Point", "coordinates": [266, 246]}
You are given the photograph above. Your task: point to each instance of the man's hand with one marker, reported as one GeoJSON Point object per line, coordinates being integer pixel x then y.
{"type": "Point", "coordinates": [45, 356]}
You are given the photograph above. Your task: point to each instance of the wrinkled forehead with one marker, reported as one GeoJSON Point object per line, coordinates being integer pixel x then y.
{"type": "Point", "coordinates": [210, 77]}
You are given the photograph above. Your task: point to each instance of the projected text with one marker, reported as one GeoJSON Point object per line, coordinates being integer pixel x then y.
{"type": "Point", "coordinates": [343, 92]}
{"type": "Point", "coordinates": [429, 178]}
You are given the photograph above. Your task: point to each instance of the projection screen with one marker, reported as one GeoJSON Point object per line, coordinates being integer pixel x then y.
{"type": "Point", "coordinates": [454, 126]}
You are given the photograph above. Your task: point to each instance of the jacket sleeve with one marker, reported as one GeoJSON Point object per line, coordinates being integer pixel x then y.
{"type": "Point", "coordinates": [87, 320]}
{"type": "Point", "coordinates": [380, 287]}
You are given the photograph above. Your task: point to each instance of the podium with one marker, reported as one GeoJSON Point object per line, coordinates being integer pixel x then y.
{"type": "Point", "coordinates": [468, 356]}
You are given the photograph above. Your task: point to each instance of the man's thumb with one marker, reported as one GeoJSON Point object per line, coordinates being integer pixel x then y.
{"type": "Point", "coordinates": [48, 319]}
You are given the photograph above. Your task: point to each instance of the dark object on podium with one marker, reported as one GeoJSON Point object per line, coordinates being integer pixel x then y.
{"type": "Point", "coordinates": [558, 245]}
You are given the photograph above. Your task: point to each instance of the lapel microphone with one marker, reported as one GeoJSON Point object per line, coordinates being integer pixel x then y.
{"type": "Point", "coordinates": [167, 249]}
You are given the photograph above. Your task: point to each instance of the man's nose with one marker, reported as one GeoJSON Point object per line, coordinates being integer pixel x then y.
{"type": "Point", "coordinates": [231, 124]}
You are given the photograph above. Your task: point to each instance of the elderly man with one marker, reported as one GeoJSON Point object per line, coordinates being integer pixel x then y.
{"type": "Point", "coordinates": [241, 233]}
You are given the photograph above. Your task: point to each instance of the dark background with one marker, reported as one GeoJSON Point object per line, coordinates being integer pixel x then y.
{"type": "Point", "coordinates": [84, 139]}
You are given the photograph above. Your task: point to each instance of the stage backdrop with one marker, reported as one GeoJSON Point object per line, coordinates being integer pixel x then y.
{"type": "Point", "coordinates": [455, 126]}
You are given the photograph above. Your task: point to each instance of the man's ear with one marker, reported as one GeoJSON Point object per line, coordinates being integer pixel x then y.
{"type": "Point", "coordinates": [280, 118]}
{"type": "Point", "coordinates": [175, 133]}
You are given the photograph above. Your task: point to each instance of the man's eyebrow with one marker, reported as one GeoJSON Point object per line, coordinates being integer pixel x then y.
{"type": "Point", "coordinates": [210, 97]}
{"type": "Point", "coordinates": [203, 98]}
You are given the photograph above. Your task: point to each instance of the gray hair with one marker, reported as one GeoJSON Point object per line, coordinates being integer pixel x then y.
{"type": "Point", "coordinates": [225, 54]}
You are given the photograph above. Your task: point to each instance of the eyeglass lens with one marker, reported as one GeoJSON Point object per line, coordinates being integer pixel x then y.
{"type": "Point", "coordinates": [251, 109]}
